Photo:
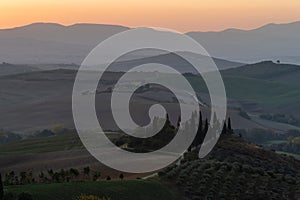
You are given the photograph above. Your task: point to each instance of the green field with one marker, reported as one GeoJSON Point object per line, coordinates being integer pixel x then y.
{"type": "Point", "coordinates": [125, 190]}
{"type": "Point", "coordinates": [269, 85]}
{"type": "Point", "coordinates": [63, 142]}
{"type": "Point", "coordinates": [263, 92]}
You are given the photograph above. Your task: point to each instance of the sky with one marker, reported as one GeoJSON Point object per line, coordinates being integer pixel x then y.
{"type": "Point", "coordinates": [183, 16]}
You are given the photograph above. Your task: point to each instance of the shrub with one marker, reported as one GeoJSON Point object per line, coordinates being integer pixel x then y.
{"type": "Point", "coordinates": [9, 196]}
{"type": "Point", "coordinates": [1, 188]}
{"type": "Point", "coordinates": [25, 196]}
{"type": "Point", "coordinates": [121, 176]}
{"type": "Point", "coordinates": [91, 197]}
{"type": "Point", "coordinates": [96, 176]}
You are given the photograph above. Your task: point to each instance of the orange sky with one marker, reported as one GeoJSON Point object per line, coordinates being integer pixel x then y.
{"type": "Point", "coordinates": [180, 15]}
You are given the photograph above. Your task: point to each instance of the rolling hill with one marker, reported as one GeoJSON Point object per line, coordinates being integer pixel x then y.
{"type": "Point", "coordinates": [42, 99]}
{"type": "Point", "coordinates": [10, 69]}
{"type": "Point", "coordinates": [269, 42]}
{"type": "Point", "coordinates": [236, 169]}
{"type": "Point", "coordinates": [49, 43]}
{"type": "Point", "coordinates": [273, 87]}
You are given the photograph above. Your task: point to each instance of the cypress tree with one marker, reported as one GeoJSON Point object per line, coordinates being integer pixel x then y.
{"type": "Point", "coordinates": [205, 127]}
{"type": "Point", "coordinates": [121, 176]}
{"type": "Point", "coordinates": [198, 139]}
{"type": "Point", "coordinates": [200, 121]}
{"type": "Point", "coordinates": [205, 130]}
{"type": "Point", "coordinates": [229, 124]}
{"type": "Point", "coordinates": [168, 120]}
{"type": "Point", "coordinates": [179, 121]}
{"type": "Point", "coordinates": [230, 131]}
{"type": "Point", "coordinates": [1, 188]}
{"type": "Point", "coordinates": [224, 130]}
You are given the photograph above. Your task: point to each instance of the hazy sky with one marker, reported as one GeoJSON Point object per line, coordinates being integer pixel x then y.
{"type": "Point", "coordinates": [187, 15]}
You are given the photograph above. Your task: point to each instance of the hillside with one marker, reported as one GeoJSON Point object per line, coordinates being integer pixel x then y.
{"type": "Point", "coordinates": [271, 88]}
{"type": "Point", "coordinates": [40, 100]}
{"type": "Point", "coordinates": [116, 190]}
{"type": "Point", "coordinates": [268, 70]}
{"type": "Point", "coordinates": [64, 142]}
{"type": "Point", "coordinates": [9, 69]}
{"type": "Point", "coordinates": [269, 42]}
{"type": "Point", "coordinates": [44, 43]}
{"type": "Point", "coordinates": [236, 169]}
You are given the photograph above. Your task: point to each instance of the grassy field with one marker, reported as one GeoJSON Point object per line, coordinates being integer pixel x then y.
{"type": "Point", "coordinates": [64, 142]}
{"type": "Point", "coordinates": [269, 85]}
{"type": "Point", "coordinates": [125, 190]}
{"type": "Point", "coordinates": [42, 144]}
{"type": "Point", "coordinates": [263, 92]}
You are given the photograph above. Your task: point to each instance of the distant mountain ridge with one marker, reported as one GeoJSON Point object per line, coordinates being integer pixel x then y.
{"type": "Point", "coordinates": [49, 43]}
{"type": "Point", "coordinates": [269, 42]}
{"type": "Point", "coordinates": [45, 43]}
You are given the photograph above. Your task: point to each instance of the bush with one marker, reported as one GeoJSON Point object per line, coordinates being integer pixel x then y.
{"type": "Point", "coordinates": [121, 176]}
{"type": "Point", "coordinates": [9, 196]}
{"type": "Point", "coordinates": [91, 197]}
{"type": "Point", "coordinates": [25, 196]}
{"type": "Point", "coordinates": [1, 188]}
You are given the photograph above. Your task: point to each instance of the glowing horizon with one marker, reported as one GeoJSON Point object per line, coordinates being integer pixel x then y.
{"type": "Point", "coordinates": [193, 15]}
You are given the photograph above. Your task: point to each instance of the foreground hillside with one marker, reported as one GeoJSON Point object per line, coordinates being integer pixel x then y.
{"type": "Point", "coordinates": [236, 169]}
{"type": "Point", "coordinates": [116, 190]}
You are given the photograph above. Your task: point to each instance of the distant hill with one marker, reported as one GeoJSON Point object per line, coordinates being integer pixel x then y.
{"type": "Point", "coordinates": [9, 69]}
{"type": "Point", "coordinates": [265, 86]}
{"type": "Point", "coordinates": [271, 42]}
{"type": "Point", "coordinates": [268, 70]}
{"type": "Point", "coordinates": [170, 59]}
{"type": "Point", "coordinates": [39, 100]}
{"type": "Point", "coordinates": [49, 43]}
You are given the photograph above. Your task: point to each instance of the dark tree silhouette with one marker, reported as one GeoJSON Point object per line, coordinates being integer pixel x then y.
{"type": "Point", "coordinates": [74, 172]}
{"type": "Point", "coordinates": [229, 124]}
{"type": "Point", "coordinates": [25, 196]}
{"type": "Point", "coordinates": [199, 136]}
{"type": "Point", "coordinates": [86, 171]}
{"type": "Point", "coordinates": [168, 123]}
{"type": "Point", "coordinates": [206, 126]}
{"type": "Point", "coordinates": [96, 175]}
{"type": "Point", "coordinates": [178, 122]}
{"type": "Point", "coordinates": [23, 177]}
{"type": "Point", "coordinates": [1, 188]}
{"type": "Point", "coordinates": [230, 131]}
{"type": "Point", "coordinates": [121, 176]}
{"type": "Point", "coordinates": [108, 178]}
{"type": "Point", "coordinates": [224, 130]}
